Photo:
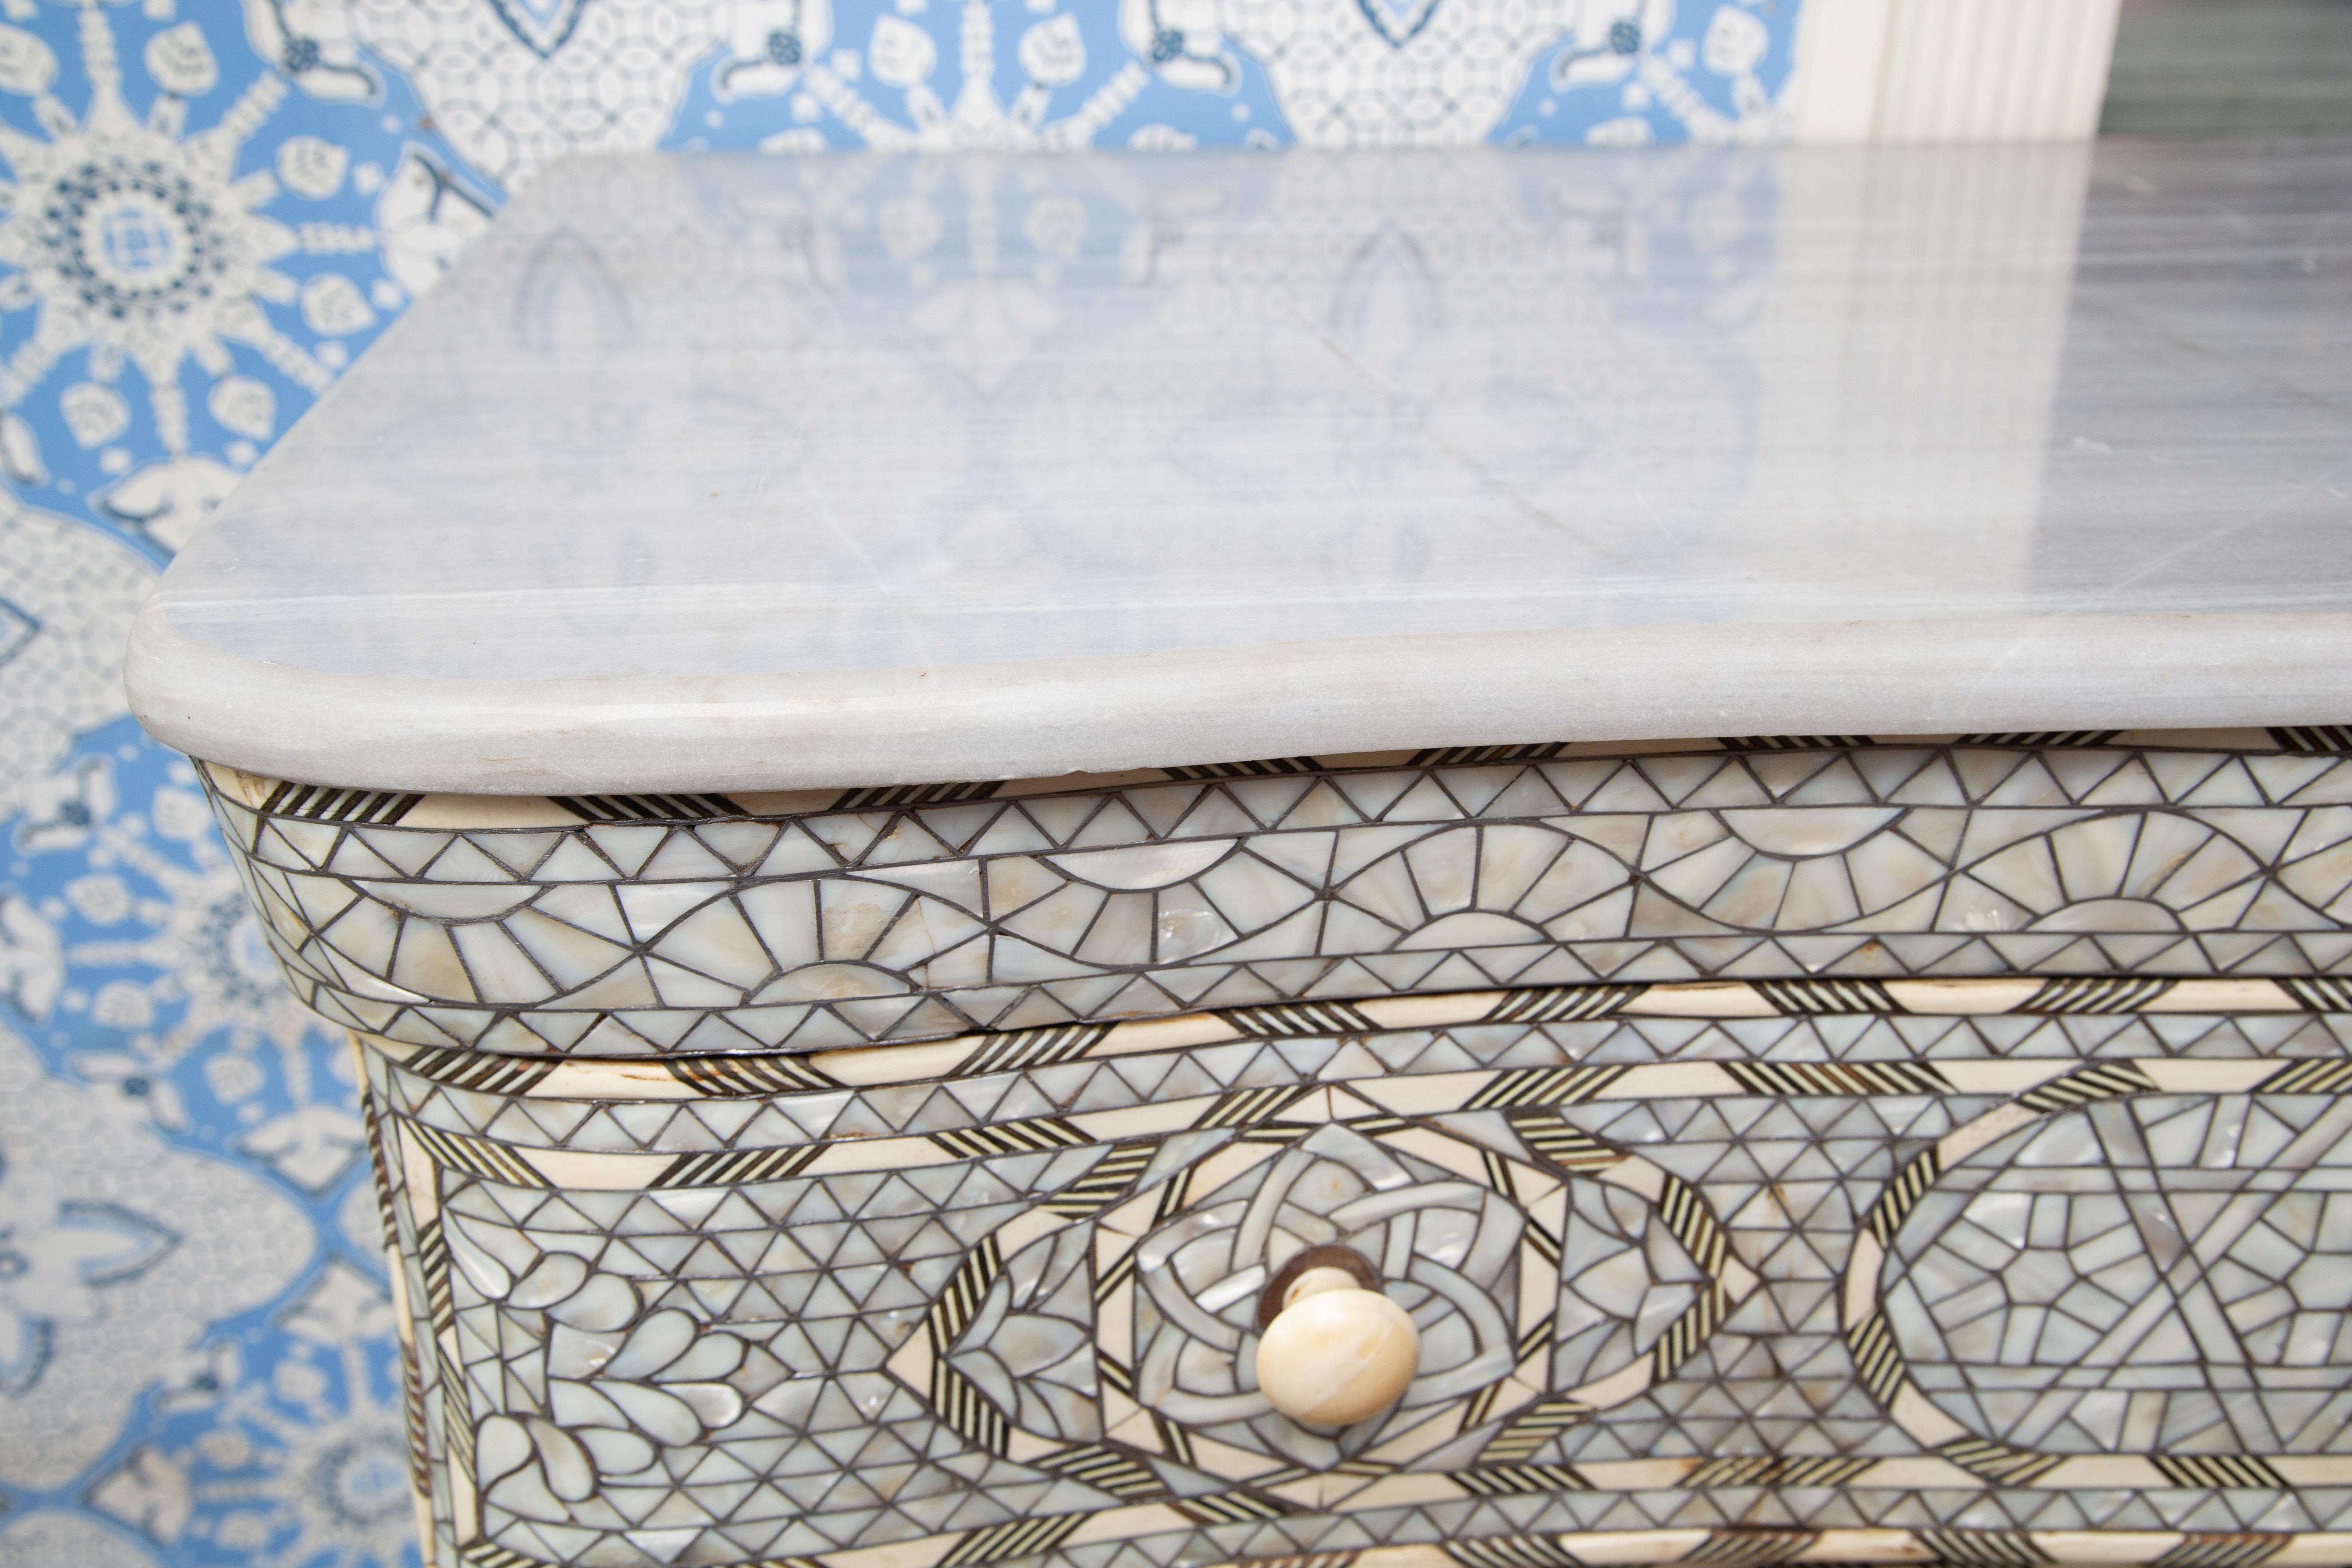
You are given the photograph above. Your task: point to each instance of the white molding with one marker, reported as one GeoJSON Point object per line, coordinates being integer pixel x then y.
{"type": "Point", "coordinates": [1950, 70]}
{"type": "Point", "coordinates": [1841, 49]}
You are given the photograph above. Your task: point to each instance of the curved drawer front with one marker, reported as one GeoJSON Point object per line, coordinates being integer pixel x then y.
{"type": "Point", "coordinates": [616, 927]}
{"type": "Point", "coordinates": [1920, 1294]}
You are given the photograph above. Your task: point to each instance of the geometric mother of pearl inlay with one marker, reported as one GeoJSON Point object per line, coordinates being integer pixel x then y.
{"type": "Point", "coordinates": [608, 927]}
{"type": "Point", "coordinates": [2101, 1269]}
{"type": "Point", "coordinates": [1541, 1290]}
{"type": "Point", "coordinates": [744, 1312]}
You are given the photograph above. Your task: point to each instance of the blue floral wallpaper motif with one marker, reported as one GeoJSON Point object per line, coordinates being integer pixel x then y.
{"type": "Point", "coordinates": [208, 210]}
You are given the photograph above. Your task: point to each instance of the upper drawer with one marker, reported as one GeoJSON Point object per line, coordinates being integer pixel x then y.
{"type": "Point", "coordinates": [635, 926]}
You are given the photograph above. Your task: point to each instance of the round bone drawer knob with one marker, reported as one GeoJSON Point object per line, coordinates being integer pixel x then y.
{"type": "Point", "coordinates": [1337, 1352]}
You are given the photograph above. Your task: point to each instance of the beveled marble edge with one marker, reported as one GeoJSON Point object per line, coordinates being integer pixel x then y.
{"type": "Point", "coordinates": [832, 729]}
{"type": "Point", "coordinates": [924, 1062]}
{"type": "Point", "coordinates": [460, 810]}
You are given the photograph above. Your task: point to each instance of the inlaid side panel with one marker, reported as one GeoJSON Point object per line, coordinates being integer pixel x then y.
{"type": "Point", "coordinates": [1956, 1309]}
{"type": "Point", "coordinates": [615, 927]}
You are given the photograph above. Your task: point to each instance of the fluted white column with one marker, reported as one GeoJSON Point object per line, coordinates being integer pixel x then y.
{"type": "Point", "coordinates": [1951, 70]}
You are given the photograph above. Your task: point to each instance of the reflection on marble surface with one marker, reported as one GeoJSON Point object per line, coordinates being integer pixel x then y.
{"type": "Point", "coordinates": [718, 473]}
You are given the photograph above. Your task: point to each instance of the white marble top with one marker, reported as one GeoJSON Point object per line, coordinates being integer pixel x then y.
{"type": "Point", "coordinates": [736, 472]}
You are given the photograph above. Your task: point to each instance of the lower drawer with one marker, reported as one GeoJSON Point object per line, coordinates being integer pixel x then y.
{"type": "Point", "coordinates": [1700, 1273]}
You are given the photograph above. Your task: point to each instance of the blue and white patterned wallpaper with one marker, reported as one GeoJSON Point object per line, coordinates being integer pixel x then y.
{"type": "Point", "coordinates": [209, 210]}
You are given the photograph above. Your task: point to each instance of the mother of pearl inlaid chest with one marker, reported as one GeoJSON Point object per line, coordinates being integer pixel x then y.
{"type": "Point", "coordinates": [732, 705]}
